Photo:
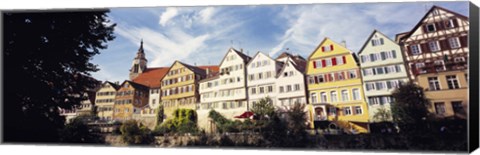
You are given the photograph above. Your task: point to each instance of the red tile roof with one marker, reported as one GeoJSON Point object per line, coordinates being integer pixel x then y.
{"type": "Point", "coordinates": [151, 77]}
{"type": "Point", "coordinates": [212, 68]}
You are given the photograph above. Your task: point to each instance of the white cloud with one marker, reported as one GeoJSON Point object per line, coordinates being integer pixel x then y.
{"type": "Point", "coordinates": [207, 14]}
{"type": "Point", "coordinates": [309, 25]}
{"type": "Point", "coordinates": [169, 13]}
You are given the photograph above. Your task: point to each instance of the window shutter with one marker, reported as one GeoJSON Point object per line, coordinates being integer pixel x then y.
{"type": "Point", "coordinates": [394, 54]}
{"type": "Point", "coordinates": [409, 52]}
{"type": "Point", "coordinates": [316, 79]}
{"type": "Point", "coordinates": [331, 47]}
{"type": "Point", "coordinates": [363, 58]}
{"type": "Point", "coordinates": [444, 44]}
{"type": "Point", "coordinates": [354, 112]}
{"type": "Point", "coordinates": [439, 26]}
{"type": "Point", "coordinates": [334, 61]}
{"type": "Point", "coordinates": [381, 41]}
{"type": "Point", "coordinates": [463, 41]}
{"type": "Point", "coordinates": [324, 63]}
{"type": "Point", "coordinates": [382, 54]}
{"type": "Point", "coordinates": [425, 48]}
{"type": "Point", "coordinates": [371, 58]}
{"type": "Point", "coordinates": [335, 76]}
{"type": "Point", "coordinates": [344, 60]}
{"type": "Point", "coordinates": [373, 43]}
{"type": "Point", "coordinates": [424, 28]}
{"type": "Point", "coordinates": [343, 75]}
{"type": "Point", "coordinates": [389, 84]}
{"type": "Point", "coordinates": [314, 64]}
{"type": "Point", "coordinates": [455, 22]}
{"type": "Point", "coordinates": [323, 49]}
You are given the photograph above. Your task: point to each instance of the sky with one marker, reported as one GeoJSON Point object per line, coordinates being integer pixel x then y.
{"type": "Point", "coordinates": [202, 35]}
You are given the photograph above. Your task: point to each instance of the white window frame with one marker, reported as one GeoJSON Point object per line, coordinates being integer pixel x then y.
{"type": "Point", "coordinates": [333, 96]}
{"type": "Point", "coordinates": [453, 81]}
{"type": "Point", "coordinates": [415, 49]}
{"type": "Point", "coordinates": [433, 81]}
{"type": "Point", "coordinates": [434, 46]}
{"type": "Point", "coordinates": [454, 42]}
{"type": "Point", "coordinates": [356, 94]}
{"type": "Point", "coordinates": [345, 97]}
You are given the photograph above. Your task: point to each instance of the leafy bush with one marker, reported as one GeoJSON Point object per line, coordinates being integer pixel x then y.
{"type": "Point", "coordinates": [135, 134]}
{"type": "Point", "coordinates": [184, 121]}
{"type": "Point", "coordinates": [79, 132]}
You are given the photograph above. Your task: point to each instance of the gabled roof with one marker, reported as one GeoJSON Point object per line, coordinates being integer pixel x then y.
{"type": "Point", "coordinates": [297, 64]}
{"type": "Point", "coordinates": [115, 86]}
{"type": "Point", "coordinates": [244, 57]}
{"type": "Point", "coordinates": [258, 54]}
{"type": "Point", "coordinates": [400, 36]}
{"type": "Point", "coordinates": [151, 77]}
{"type": "Point", "coordinates": [319, 45]}
{"type": "Point", "coordinates": [370, 38]}
{"type": "Point", "coordinates": [135, 85]}
{"type": "Point", "coordinates": [283, 55]}
{"type": "Point", "coordinates": [430, 11]}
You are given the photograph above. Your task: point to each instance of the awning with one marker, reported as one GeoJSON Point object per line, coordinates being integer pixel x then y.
{"type": "Point", "coordinates": [246, 114]}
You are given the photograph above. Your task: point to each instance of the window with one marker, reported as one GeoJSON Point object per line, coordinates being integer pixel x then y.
{"type": "Point", "coordinates": [433, 45]}
{"type": "Point", "coordinates": [347, 111]}
{"type": "Point", "coordinates": [439, 65]}
{"type": "Point", "coordinates": [339, 60]}
{"type": "Point", "coordinates": [323, 97]}
{"type": "Point", "coordinates": [376, 42]}
{"type": "Point", "coordinates": [328, 62]}
{"type": "Point", "coordinates": [452, 82]}
{"type": "Point", "coordinates": [313, 97]}
{"type": "Point", "coordinates": [327, 48]}
{"type": "Point", "coordinates": [269, 74]}
{"type": "Point", "coordinates": [344, 95]}
{"type": "Point", "coordinates": [352, 74]}
{"type": "Point", "coordinates": [289, 88]}
{"type": "Point", "coordinates": [333, 96]}
{"type": "Point", "coordinates": [320, 78]}
{"type": "Point", "coordinates": [373, 100]}
{"type": "Point", "coordinates": [430, 27]}
{"type": "Point", "coordinates": [340, 76]}
{"type": "Point", "coordinates": [379, 85]}
{"type": "Point", "coordinates": [281, 89]}
{"type": "Point", "coordinates": [459, 59]}
{"type": "Point", "coordinates": [379, 70]}
{"type": "Point", "coordinates": [415, 49]}
{"type": "Point", "coordinates": [433, 83]}
{"type": "Point", "coordinates": [454, 42]}
{"type": "Point", "coordinates": [370, 86]}
{"type": "Point", "coordinates": [398, 68]}
{"type": "Point", "coordinates": [254, 90]}
{"type": "Point", "coordinates": [260, 76]}
{"type": "Point", "coordinates": [285, 74]}
{"type": "Point", "coordinates": [269, 89]}
{"type": "Point", "coordinates": [358, 110]}
{"type": "Point", "coordinates": [251, 77]}
{"type": "Point", "coordinates": [449, 23]}
{"type": "Point", "coordinates": [262, 90]}
{"type": "Point", "coordinates": [440, 108]}
{"type": "Point", "coordinates": [356, 94]}
{"type": "Point", "coordinates": [458, 107]}
{"type": "Point", "coordinates": [297, 87]}
{"type": "Point", "coordinates": [332, 110]}
{"type": "Point", "coordinates": [365, 58]}
{"type": "Point", "coordinates": [373, 57]}
{"type": "Point", "coordinates": [367, 72]}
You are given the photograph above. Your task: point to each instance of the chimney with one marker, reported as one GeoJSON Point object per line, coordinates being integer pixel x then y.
{"type": "Point", "coordinates": [208, 71]}
{"type": "Point", "coordinates": [344, 43]}
{"type": "Point", "coordinates": [241, 50]}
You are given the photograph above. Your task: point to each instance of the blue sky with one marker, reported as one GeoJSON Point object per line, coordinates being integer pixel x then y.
{"type": "Point", "coordinates": [202, 35]}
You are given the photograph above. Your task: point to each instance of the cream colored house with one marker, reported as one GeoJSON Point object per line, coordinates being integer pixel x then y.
{"type": "Point", "coordinates": [383, 71]}
{"type": "Point", "coordinates": [105, 99]}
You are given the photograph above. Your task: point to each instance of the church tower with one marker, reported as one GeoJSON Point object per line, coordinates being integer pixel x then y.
{"type": "Point", "coordinates": [139, 64]}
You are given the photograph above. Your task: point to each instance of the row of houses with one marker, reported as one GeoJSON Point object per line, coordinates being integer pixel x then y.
{"type": "Point", "coordinates": [337, 85]}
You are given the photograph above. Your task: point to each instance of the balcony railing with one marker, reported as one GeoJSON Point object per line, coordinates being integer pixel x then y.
{"type": "Point", "coordinates": [437, 67]}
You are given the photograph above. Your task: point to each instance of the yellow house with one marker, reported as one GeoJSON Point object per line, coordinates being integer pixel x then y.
{"type": "Point", "coordinates": [180, 87]}
{"type": "Point", "coordinates": [335, 89]}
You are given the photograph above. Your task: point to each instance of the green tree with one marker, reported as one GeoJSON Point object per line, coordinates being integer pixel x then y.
{"type": "Point", "coordinates": [410, 107]}
{"type": "Point", "coordinates": [382, 115]}
{"type": "Point", "coordinates": [135, 134]}
{"type": "Point", "coordinates": [47, 66]}
{"type": "Point", "coordinates": [264, 109]}
{"type": "Point", "coordinates": [79, 132]}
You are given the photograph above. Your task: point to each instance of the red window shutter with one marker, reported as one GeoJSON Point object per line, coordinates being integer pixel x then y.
{"type": "Point", "coordinates": [316, 79]}
{"type": "Point", "coordinates": [335, 76]}
{"type": "Point", "coordinates": [331, 47]}
{"type": "Point", "coordinates": [334, 61]}
{"type": "Point", "coordinates": [439, 26]}
{"type": "Point", "coordinates": [314, 64]}
{"type": "Point", "coordinates": [324, 63]}
{"type": "Point", "coordinates": [344, 60]}
{"type": "Point", "coordinates": [425, 48]}
{"type": "Point", "coordinates": [424, 29]}
{"type": "Point", "coordinates": [323, 49]}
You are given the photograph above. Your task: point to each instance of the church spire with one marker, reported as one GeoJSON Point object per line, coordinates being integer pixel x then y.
{"type": "Point", "coordinates": [139, 64]}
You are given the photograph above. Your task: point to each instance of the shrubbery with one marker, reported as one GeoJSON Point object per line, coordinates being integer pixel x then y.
{"type": "Point", "coordinates": [184, 121]}
{"type": "Point", "coordinates": [135, 134]}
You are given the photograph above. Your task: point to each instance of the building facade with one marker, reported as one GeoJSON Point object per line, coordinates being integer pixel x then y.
{"type": "Point", "coordinates": [105, 100]}
{"type": "Point", "coordinates": [225, 91]}
{"type": "Point", "coordinates": [436, 52]}
{"type": "Point", "coordinates": [130, 99]}
{"type": "Point", "coordinates": [383, 70]}
{"type": "Point", "coordinates": [291, 81]}
{"type": "Point", "coordinates": [335, 88]}
{"type": "Point", "coordinates": [261, 72]}
{"type": "Point", "coordinates": [179, 87]}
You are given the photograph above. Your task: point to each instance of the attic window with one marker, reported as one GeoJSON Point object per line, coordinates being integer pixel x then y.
{"type": "Point", "coordinates": [430, 27]}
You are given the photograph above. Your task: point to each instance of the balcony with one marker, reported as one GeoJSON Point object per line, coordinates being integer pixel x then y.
{"type": "Point", "coordinates": [439, 67]}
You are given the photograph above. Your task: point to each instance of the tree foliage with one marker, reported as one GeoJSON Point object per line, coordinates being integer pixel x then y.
{"type": "Point", "coordinates": [410, 106]}
{"type": "Point", "coordinates": [78, 131]}
{"type": "Point", "coordinates": [183, 121]}
{"type": "Point", "coordinates": [135, 134]}
{"type": "Point", "coordinates": [264, 108]}
{"type": "Point", "coordinates": [46, 67]}
{"type": "Point", "coordinates": [382, 115]}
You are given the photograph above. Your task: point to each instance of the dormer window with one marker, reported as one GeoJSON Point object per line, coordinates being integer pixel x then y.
{"type": "Point", "coordinates": [376, 42]}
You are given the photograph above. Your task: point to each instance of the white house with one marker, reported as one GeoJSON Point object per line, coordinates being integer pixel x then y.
{"type": "Point", "coordinates": [383, 70]}
{"type": "Point", "coordinates": [225, 91]}
{"type": "Point", "coordinates": [290, 81]}
{"type": "Point", "coordinates": [261, 80]}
